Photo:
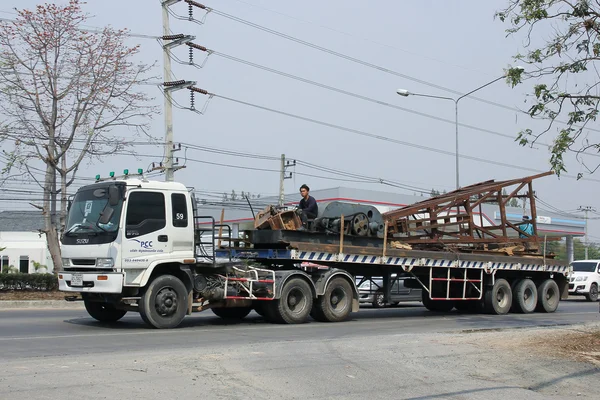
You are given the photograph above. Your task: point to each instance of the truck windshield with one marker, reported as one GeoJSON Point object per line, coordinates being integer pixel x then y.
{"type": "Point", "coordinates": [86, 210]}
{"type": "Point", "coordinates": [584, 266]}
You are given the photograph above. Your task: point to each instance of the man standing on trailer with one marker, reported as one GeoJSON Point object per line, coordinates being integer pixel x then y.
{"type": "Point", "coordinates": [308, 208]}
{"type": "Point", "coordinates": [526, 227]}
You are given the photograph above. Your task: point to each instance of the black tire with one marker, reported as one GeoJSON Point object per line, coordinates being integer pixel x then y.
{"type": "Point", "coordinates": [164, 303]}
{"type": "Point", "coordinates": [525, 296]}
{"type": "Point", "coordinates": [232, 313]}
{"type": "Point", "coordinates": [103, 312]}
{"type": "Point", "coordinates": [336, 303]}
{"type": "Point", "coordinates": [498, 298]}
{"type": "Point", "coordinates": [378, 300]}
{"type": "Point", "coordinates": [593, 294]}
{"type": "Point", "coordinates": [295, 303]}
{"type": "Point", "coordinates": [436, 305]}
{"type": "Point", "coordinates": [548, 296]}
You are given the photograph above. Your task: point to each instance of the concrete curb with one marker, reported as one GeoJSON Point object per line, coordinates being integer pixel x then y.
{"type": "Point", "coordinates": [53, 304]}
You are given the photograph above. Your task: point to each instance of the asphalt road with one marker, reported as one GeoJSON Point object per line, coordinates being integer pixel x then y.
{"type": "Point", "coordinates": [379, 353]}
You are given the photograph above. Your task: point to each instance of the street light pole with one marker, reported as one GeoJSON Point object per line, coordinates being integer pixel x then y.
{"type": "Point", "coordinates": [406, 93]}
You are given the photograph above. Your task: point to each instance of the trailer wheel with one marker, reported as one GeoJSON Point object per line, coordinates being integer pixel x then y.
{"type": "Point", "coordinates": [498, 298]}
{"type": "Point", "coordinates": [336, 303]}
{"type": "Point", "coordinates": [103, 312]}
{"type": "Point", "coordinates": [164, 303]}
{"type": "Point", "coordinates": [548, 296]}
{"type": "Point", "coordinates": [232, 313]}
{"type": "Point", "coordinates": [593, 294]}
{"type": "Point", "coordinates": [294, 305]}
{"type": "Point", "coordinates": [525, 296]}
{"type": "Point", "coordinates": [436, 305]}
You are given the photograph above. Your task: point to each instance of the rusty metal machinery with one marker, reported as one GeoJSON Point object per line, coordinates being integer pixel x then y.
{"type": "Point", "coordinates": [456, 219]}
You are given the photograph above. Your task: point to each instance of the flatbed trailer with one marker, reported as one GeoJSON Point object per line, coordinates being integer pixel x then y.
{"type": "Point", "coordinates": [448, 279]}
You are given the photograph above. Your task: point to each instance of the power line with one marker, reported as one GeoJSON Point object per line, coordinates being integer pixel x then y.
{"type": "Point", "coordinates": [351, 94]}
{"type": "Point", "coordinates": [380, 137]}
{"type": "Point", "coordinates": [356, 60]}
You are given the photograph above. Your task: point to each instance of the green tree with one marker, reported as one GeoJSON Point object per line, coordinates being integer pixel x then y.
{"type": "Point", "coordinates": [559, 248]}
{"type": "Point", "coordinates": [562, 51]}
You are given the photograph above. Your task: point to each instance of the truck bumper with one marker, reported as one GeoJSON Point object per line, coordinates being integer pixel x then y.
{"type": "Point", "coordinates": [90, 282]}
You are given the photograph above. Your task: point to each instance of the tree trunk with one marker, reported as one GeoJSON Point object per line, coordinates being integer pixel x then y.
{"type": "Point", "coordinates": [50, 226]}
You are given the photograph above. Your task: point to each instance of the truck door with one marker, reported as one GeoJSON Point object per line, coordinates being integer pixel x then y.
{"type": "Point", "coordinates": [146, 230]}
{"type": "Point", "coordinates": [181, 221]}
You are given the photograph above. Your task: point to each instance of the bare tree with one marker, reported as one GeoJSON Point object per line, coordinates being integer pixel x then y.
{"type": "Point", "coordinates": [63, 90]}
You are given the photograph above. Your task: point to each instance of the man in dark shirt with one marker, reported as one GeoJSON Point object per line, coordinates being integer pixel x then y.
{"type": "Point", "coordinates": [308, 208]}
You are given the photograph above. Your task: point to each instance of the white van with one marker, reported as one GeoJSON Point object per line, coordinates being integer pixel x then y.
{"type": "Point", "coordinates": [585, 279]}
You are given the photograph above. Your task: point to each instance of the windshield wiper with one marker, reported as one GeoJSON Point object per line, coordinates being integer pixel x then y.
{"type": "Point", "coordinates": [75, 227]}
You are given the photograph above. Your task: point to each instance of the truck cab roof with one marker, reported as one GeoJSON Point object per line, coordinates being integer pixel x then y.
{"type": "Point", "coordinates": [140, 183]}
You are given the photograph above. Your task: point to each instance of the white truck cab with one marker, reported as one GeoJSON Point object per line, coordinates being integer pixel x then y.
{"type": "Point", "coordinates": [585, 279]}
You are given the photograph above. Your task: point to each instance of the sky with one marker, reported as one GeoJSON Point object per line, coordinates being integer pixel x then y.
{"type": "Point", "coordinates": [430, 47]}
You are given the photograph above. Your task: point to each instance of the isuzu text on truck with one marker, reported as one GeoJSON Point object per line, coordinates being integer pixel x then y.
{"type": "Point", "coordinates": [131, 244]}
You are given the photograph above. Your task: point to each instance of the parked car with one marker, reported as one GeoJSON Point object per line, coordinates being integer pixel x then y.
{"type": "Point", "coordinates": [585, 279]}
{"type": "Point", "coordinates": [371, 291]}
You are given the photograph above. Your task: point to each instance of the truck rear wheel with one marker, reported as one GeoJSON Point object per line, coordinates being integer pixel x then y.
{"type": "Point", "coordinates": [336, 303]}
{"type": "Point", "coordinates": [232, 313]}
{"type": "Point", "coordinates": [103, 312]}
{"type": "Point", "coordinates": [498, 298]}
{"type": "Point", "coordinates": [436, 305]}
{"type": "Point", "coordinates": [294, 305]}
{"type": "Point", "coordinates": [164, 303]}
{"type": "Point", "coordinates": [548, 296]}
{"type": "Point", "coordinates": [525, 296]}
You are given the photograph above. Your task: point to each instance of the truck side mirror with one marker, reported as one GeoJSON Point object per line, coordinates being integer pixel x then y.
{"type": "Point", "coordinates": [114, 195]}
{"type": "Point", "coordinates": [106, 216]}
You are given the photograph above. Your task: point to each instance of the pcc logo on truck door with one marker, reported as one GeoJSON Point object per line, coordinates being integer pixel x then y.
{"type": "Point", "coordinates": [144, 244]}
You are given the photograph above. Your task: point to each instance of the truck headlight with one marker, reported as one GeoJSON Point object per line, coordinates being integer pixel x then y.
{"type": "Point", "coordinates": [105, 263]}
{"type": "Point", "coordinates": [66, 262]}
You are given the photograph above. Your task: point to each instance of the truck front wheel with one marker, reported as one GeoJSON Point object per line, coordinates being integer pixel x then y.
{"type": "Point", "coordinates": [164, 303]}
{"type": "Point", "coordinates": [103, 312]}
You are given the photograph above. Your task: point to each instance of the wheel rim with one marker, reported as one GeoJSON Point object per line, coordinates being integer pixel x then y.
{"type": "Point", "coordinates": [338, 299]}
{"type": "Point", "coordinates": [501, 297]}
{"type": "Point", "coordinates": [551, 297]}
{"type": "Point", "coordinates": [528, 298]}
{"type": "Point", "coordinates": [166, 301]}
{"type": "Point", "coordinates": [296, 301]}
{"type": "Point", "coordinates": [594, 291]}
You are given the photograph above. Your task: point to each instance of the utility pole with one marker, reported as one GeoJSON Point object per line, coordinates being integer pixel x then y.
{"type": "Point", "coordinates": [586, 210]}
{"type": "Point", "coordinates": [283, 176]}
{"type": "Point", "coordinates": [170, 41]}
{"type": "Point", "coordinates": [168, 100]}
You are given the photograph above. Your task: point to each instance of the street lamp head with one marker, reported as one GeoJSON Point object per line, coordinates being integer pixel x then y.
{"type": "Point", "coordinates": [403, 92]}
